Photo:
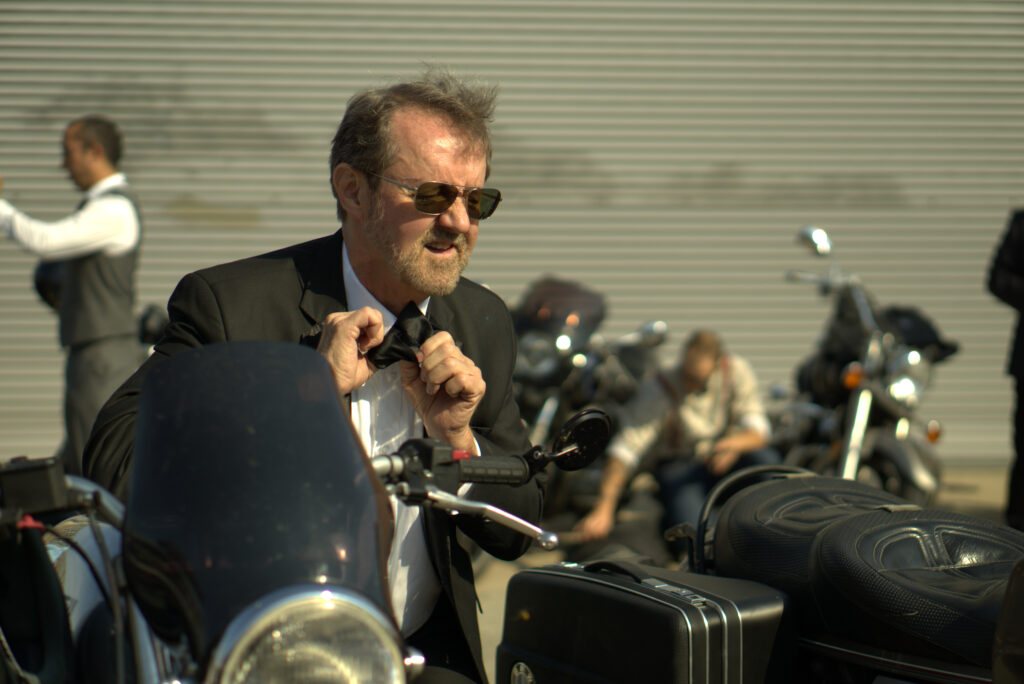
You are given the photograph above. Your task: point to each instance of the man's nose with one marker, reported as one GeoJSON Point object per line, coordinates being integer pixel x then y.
{"type": "Point", "coordinates": [456, 217]}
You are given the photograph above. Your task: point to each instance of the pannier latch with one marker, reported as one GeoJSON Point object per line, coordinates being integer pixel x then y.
{"type": "Point", "coordinates": [682, 593]}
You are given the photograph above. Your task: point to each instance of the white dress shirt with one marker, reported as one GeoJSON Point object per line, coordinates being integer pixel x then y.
{"type": "Point", "coordinates": [730, 403]}
{"type": "Point", "coordinates": [106, 224]}
{"type": "Point", "coordinates": [384, 419]}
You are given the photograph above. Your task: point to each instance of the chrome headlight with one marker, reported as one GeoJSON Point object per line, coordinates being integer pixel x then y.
{"type": "Point", "coordinates": [308, 634]}
{"type": "Point", "coordinates": [909, 376]}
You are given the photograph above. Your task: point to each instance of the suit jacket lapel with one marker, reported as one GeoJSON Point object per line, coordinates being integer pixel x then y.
{"type": "Point", "coordinates": [323, 288]}
{"type": "Point", "coordinates": [441, 316]}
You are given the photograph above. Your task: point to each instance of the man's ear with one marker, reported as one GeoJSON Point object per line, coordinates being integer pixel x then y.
{"type": "Point", "coordinates": [351, 188]}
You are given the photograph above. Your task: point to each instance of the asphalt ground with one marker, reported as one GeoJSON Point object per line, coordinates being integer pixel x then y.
{"type": "Point", "coordinates": [975, 490]}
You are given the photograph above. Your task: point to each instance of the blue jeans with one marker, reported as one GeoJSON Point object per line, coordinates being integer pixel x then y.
{"type": "Point", "coordinates": [683, 485]}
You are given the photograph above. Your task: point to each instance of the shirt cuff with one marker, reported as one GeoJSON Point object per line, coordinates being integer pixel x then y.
{"type": "Point", "coordinates": [626, 457]}
{"type": "Point", "coordinates": [466, 486]}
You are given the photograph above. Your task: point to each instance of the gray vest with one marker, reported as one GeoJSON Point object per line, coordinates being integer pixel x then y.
{"type": "Point", "coordinates": [97, 295]}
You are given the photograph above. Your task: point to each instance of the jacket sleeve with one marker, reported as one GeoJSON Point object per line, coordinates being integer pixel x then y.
{"type": "Point", "coordinates": [1006, 272]}
{"type": "Point", "coordinates": [500, 431]}
{"type": "Point", "coordinates": [194, 320]}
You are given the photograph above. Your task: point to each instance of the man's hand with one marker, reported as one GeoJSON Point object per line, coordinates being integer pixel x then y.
{"type": "Point", "coordinates": [727, 451]}
{"type": "Point", "coordinates": [346, 337]}
{"type": "Point", "coordinates": [721, 460]}
{"type": "Point", "coordinates": [445, 388]}
{"type": "Point", "coordinates": [597, 524]}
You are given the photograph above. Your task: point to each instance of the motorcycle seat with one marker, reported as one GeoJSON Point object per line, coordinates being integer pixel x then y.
{"type": "Point", "coordinates": [864, 565]}
{"type": "Point", "coordinates": [930, 583]}
{"type": "Point", "coordinates": [765, 531]}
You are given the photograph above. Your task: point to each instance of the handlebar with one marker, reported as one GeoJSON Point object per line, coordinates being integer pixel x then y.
{"type": "Point", "coordinates": [472, 469]}
{"type": "Point", "coordinates": [493, 470]}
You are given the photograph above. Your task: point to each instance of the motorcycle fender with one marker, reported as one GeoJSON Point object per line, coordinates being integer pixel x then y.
{"type": "Point", "coordinates": [914, 459]}
{"type": "Point", "coordinates": [80, 589]}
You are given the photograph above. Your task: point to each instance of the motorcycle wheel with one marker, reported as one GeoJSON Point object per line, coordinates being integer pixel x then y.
{"type": "Point", "coordinates": [880, 471]}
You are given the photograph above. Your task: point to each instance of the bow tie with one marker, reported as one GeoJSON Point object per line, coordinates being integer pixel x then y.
{"type": "Point", "coordinates": [403, 339]}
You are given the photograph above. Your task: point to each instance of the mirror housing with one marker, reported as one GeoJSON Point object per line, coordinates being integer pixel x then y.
{"type": "Point", "coordinates": [815, 239]}
{"type": "Point", "coordinates": [581, 440]}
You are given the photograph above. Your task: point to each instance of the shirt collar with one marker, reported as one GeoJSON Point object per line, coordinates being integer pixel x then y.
{"type": "Point", "coordinates": [357, 296]}
{"type": "Point", "coordinates": [101, 186]}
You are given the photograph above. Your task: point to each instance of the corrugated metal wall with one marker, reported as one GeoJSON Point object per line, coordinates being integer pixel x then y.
{"type": "Point", "coordinates": [663, 151]}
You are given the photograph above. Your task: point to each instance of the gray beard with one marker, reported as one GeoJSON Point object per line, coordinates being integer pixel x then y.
{"type": "Point", "coordinates": [433, 280]}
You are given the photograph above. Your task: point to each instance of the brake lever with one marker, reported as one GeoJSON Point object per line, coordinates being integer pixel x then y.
{"type": "Point", "coordinates": [456, 504]}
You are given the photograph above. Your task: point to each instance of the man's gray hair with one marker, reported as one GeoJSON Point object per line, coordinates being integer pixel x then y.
{"type": "Point", "coordinates": [363, 139]}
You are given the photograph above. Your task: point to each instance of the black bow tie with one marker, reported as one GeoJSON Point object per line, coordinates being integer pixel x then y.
{"type": "Point", "coordinates": [403, 339]}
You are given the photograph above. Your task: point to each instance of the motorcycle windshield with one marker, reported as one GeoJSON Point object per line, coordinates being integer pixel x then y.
{"type": "Point", "coordinates": [561, 307]}
{"type": "Point", "coordinates": [247, 477]}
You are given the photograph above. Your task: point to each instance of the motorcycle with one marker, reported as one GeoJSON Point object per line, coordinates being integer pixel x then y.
{"type": "Point", "coordinates": [252, 547]}
{"type": "Point", "coordinates": [793, 577]}
{"type": "Point", "coordinates": [564, 365]}
{"type": "Point", "coordinates": [856, 413]}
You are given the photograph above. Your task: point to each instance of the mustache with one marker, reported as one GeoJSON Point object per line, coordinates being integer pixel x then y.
{"type": "Point", "coordinates": [458, 240]}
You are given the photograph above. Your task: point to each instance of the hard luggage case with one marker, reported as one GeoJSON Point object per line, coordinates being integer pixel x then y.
{"type": "Point", "coordinates": [619, 621]}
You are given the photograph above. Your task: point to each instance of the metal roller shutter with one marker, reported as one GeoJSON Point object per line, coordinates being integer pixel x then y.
{"type": "Point", "coordinates": [664, 152]}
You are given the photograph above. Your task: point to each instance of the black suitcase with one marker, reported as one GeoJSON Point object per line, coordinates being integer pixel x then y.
{"type": "Point", "coordinates": [618, 621]}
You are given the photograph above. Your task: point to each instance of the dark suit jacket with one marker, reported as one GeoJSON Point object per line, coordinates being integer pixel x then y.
{"type": "Point", "coordinates": [284, 296]}
{"type": "Point", "coordinates": [1006, 281]}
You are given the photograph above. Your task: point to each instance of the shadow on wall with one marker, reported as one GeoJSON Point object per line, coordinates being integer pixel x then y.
{"type": "Point", "coordinates": [582, 181]}
{"type": "Point", "coordinates": [730, 183]}
{"type": "Point", "coordinates": [183, 134]}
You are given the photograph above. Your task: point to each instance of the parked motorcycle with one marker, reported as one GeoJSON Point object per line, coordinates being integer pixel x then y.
{"type": "Point", "coordinates": [565, 365]}
{"type": "Point", "coordinates": [856, 415]}
{"type": "Point", "coordinates": [798, 578]}
{"type": "Point", "coordinates": [252, 547]}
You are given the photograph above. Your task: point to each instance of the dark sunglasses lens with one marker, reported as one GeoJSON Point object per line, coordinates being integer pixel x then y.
{"type": "Point", "coordinates": [435, 198]}
{"type": "Point", "coordinates": [482, 202]}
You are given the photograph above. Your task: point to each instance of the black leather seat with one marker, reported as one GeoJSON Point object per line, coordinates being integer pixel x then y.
{"type": "Point", "coordinates": [929, 583]}
{"type": "Point", "coordinates": [865, 565]}
{"type": "Point", "coordinates": [765, 532]}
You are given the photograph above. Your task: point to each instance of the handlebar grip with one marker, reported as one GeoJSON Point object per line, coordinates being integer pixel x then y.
{"type": "Point", "coordinates": [494, 470]}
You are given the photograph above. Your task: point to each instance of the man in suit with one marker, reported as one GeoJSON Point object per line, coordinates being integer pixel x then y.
{"type": "Point", "coordinates": [407, 166]}
{"type": "Point", "coordinates": [1006, 281]}
{"type": "Point", "coordinates": [92, 255]}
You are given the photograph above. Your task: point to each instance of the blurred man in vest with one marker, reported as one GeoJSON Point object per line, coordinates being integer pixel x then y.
{"type": "Point", "coordinates": [87, 273]}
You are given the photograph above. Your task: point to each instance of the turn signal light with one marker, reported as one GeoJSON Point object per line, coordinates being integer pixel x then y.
{"type": "Point", "coordinates": [933, 431]}
{"type": "Point", "coordinates": [852, 375]}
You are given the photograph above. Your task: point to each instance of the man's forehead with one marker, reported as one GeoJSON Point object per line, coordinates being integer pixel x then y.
{"type": "Point", "coordinates": [415, 124]}
{"type": "Point", "coordinates": [71, 132]}
{"type": "Point", "coordinates": [695, 360]}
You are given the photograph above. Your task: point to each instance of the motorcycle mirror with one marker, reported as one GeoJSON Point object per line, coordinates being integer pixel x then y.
{"type": "Point", "coordinates": [816, 239]}
{"type": "Point", "coordinates": [653, 333]}
{"type": "Point", "coordinates": [581, 439]}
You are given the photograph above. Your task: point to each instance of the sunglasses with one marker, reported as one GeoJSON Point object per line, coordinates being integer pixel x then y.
{"type": "Point", "coordinates": [434, 197]}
